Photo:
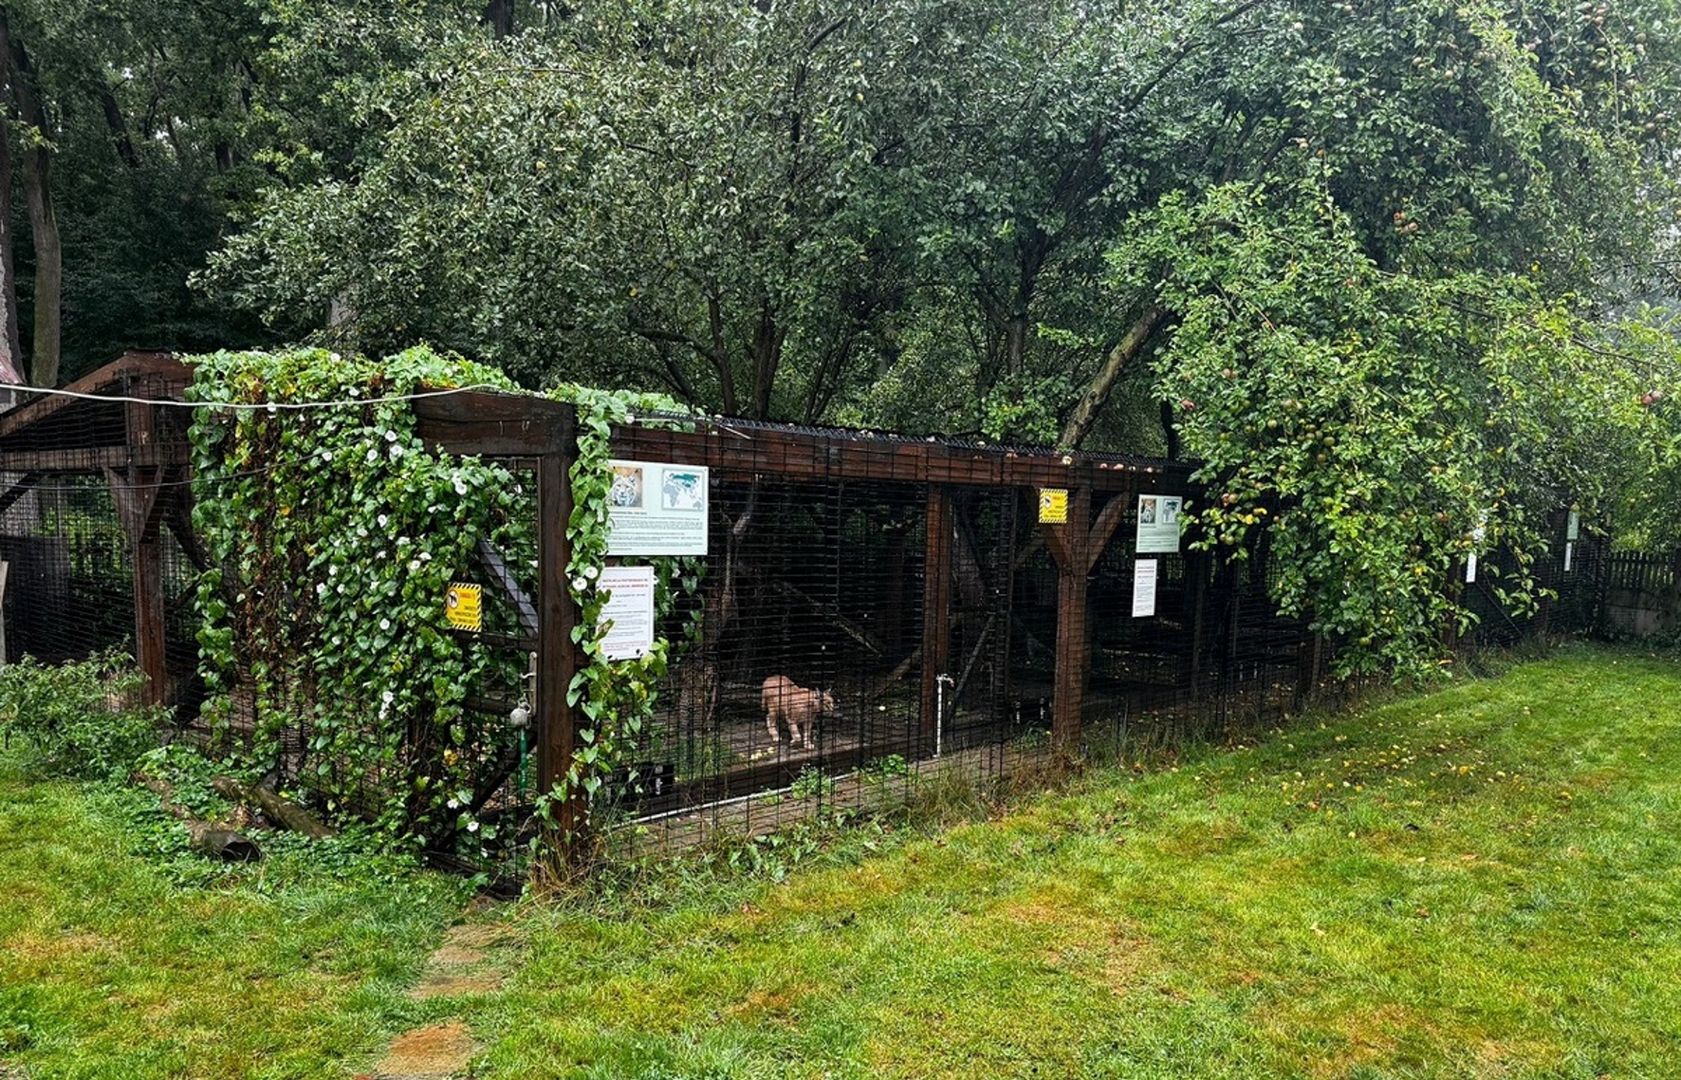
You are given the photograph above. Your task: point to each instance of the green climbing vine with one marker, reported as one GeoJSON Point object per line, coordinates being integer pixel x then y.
{"type": "Point", "coordinates": [614, 698]}
{"type": "Point", "coordinates": [333, 533]}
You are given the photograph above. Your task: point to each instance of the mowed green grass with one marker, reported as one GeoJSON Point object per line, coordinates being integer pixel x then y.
{"type": "Point", "coordinates": [1485, 881]}
{"type": "Point", "coordinates": [111, 967]}
{"type": "Point", "coordinates": [1481, 882]}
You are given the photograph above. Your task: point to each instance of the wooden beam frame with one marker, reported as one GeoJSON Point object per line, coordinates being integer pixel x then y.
{"type": "Point", "coordinates": [497, 568]}
{"type": "Point", "coordinates": [136, 496]}
{"type": "Point", "coordinates": [495, 425]}
{"type": "Point", "coordinates": [1103, 529]}
{"type": "Point", "coordinates": [162, 367]}
{"type": "Point", "coordinates": [1070, 545]}
{"type": "Point", "coordinates": [557, 654]}
{"type": "Point", "coordinates": [92, 460]}
{"type": "Point", "coordinates": [797, 455]}
{"type": "Point", "coordinates": [936, 606]}
{"type": "Point", "coordinates": [20, 487]}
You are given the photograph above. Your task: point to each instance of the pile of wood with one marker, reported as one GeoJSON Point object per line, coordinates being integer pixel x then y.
{"type": "Point", "coordinates": [255, 807]}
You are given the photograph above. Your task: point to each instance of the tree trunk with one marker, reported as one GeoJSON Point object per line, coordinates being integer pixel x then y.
{"type": "Point", "coordinates": [499, 16]}
{"type": "Point", "coordinates": [1097, 394]}
{"type": "Point", "coordinates": [11, 352]}
{"type": "Point", "coordinates": [119, 127]}
{"type": "Point", "coordinates": [767, 356]}
{"type": "Point", "coordinates": [721, 356]}
{"type": "Point", "coordinates": [279, 810]}
{"type": "Point", "coordinates": [43, 223]}
{"type": "Point", "coordinates": [49, 269]}
{"type": "Point", "coordinates": [1170, 431]}
{"type": "Point", "coordinates": [1015, 343]}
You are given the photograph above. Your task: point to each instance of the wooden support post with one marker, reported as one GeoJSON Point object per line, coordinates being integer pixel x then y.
{"type": "Point", "coordinates": [149, 639]}
{"type": "Point", "coordinates": [556, 652]}
{"type": "Point", "coordinates": [936, 606]}
{"type": "Point", "coordinates": [20, 487]}
{"type": "Point", "coordinates": [1310, 656]}
{"type": "Point", "coordinates": [1070, 546]}
{"type": "Point", "coordinates": [1198, 566]}
{"type": "Point", "coordinates": [4, 568]}
{"type": "Point", "coordinates": [135, 492]}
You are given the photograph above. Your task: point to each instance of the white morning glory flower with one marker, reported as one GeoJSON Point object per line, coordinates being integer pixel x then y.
{"type": "Point", "coordinates": [382, 520]}
{"type": "Point", "coordinates": [385, 624]}
{"type": "Point", "coordinates": [472, 826]}
{"type": "Point", "coordinates": [373, 455]}
{"type": "Point", "coordinates": [414, 566]}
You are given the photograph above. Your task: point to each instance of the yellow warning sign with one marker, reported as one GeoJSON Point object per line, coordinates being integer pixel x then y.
{"type": "Point", "coordinates": [462, 606]}
{"type": "Point", "coordinates": [1053, 506]}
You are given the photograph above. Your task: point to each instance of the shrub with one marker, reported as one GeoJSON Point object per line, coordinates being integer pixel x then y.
{"type": "Point", "coordinates": [83, 717]}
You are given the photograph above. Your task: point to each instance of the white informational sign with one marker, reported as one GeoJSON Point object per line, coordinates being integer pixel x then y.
{"type": "Point", "coordinates": [1158, 523]}
{"type": "Point", "coordinates": [657, 509]}
{"type": "Point", "coordinates": [1144, 588]}
{"type": "Point", "coordinates": [1573, 526]}
{"type": "Point", "coordinates": [629, 611]}
{"type": "Point", "coordinates": [1477, 535]}
{"type": "Point", "coordinates": [1569, 550]}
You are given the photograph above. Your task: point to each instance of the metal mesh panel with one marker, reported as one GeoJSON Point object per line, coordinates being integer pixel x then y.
{"type": "Point", "coordinates": [809, 602]}
{"type": "Point", "coordinates": [70, 583]}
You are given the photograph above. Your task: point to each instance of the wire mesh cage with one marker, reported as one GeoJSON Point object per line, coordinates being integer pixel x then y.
{"type": "Point", "coordinates": [869, 609]}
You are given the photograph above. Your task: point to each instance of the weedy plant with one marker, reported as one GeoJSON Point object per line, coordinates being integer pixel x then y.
{"type": "Point", "coordinates": [83, 718]}
{"type": "Point", "coordinates": [811, 783]}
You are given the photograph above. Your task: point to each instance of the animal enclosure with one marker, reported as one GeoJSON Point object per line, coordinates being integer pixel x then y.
{"type": "Point", "coordinates": [867, 607]}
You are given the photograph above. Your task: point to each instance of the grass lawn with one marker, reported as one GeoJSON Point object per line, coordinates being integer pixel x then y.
{"type": "Point", "coordinates": [120, 962]}
{"type": "Point", "coordinates": [1485, 881]}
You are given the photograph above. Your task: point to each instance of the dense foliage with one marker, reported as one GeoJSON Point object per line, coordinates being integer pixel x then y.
{"type": "Point", "coordinates": [1437, 233]}
{"type": "Point", "coordinates": [83, 718]}
{"type": "Point", "coordinates": [335, 533]}
{"type": "Point", "coordinates": [1375, 428]}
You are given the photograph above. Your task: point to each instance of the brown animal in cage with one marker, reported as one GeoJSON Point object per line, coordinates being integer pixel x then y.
{"type": "Point", "coordinates": [794, 705]}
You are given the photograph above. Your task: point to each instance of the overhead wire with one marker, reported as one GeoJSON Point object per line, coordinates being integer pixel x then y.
{"type": "Point", "coordinates": [254, 406]}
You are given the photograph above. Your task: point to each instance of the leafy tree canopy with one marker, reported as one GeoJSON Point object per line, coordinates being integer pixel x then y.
{"type": "Point", "coordinates": [1387, 267]}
